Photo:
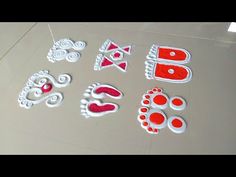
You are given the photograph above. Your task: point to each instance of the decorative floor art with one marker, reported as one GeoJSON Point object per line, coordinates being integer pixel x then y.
{"type": "Point", "coordinates": [91, 106]}
{"type": "Point", "coordinates": [152, 117]}
{"type": "Point", "coordinates": [163, 64]}
{"type": "Point", "coordinates": [66, 49]}
{"type": "Point", "coordinates": [112, 55]}
{"type": "Point", "coordinates": [39, 88]}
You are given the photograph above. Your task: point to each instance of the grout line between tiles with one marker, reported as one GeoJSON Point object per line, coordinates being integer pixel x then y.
{"type": "Point", "coordinates": [17, 41]}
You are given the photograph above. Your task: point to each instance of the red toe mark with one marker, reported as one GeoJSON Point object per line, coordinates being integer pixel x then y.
{"type": "Point", "coordinates": [150, 129]}
{"type": "Point", "coordinates": [144, 109]}
{"type": "Point", "coordinates": [157, 118]}
{"type": "Point", "coordinates": [155, 89]}
{"type": "Point", "coordinates": [108, 90]}
{"type": "Point", "coordinates": [160, 100]}
{"type": "Point", "coordinates": [177, 123]}
{"type": "Point", "coordinates": [177, 102]}
{"type": "Point", "coordinates": [150, 92]}
{"type": "Point", "coordinates": [93, 107]}
{"type": "Point", "coordinates": [146, 102]}
{"type": "Point", "coordinates": [147, 96]}
{"type": "Point", "coordinates": [142, 117]}
{"type": "Point", "coordinates": [145, 124]}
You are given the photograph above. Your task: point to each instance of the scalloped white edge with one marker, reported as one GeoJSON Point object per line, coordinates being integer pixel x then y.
{"type": "Point", "coordinates": [177, 108]}
{"type": "Point", "coordinates": [87, 113]}
{"type": "Point", "coordinates": [177, 130]}
{"type": "Point", "coordinates": [153, 53]}
{"type": "Point", "coordinates": [90, 91]}
{"type": "Point", "coordinates": [150, 72]}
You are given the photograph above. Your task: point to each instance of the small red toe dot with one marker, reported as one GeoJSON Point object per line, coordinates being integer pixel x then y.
{"type": "Point", "coordinates": [147, 96]}
{"type": "Point", "coordinates": [150, 129]}
{"type": "Point", "coordinates": [155, 130]}
{"type": "Point", "coordinates": [144, 109]}
{"type": "Point", "coordinates": [146, 102]}
{"type": "Point", "coordinates": [145, 124]}
{"type": "Point", "coordinates": [150, 92]}
{"type": "Point", "coordinates": [155, 89]}
{"type": "Point", "coordinates": [142, 117]}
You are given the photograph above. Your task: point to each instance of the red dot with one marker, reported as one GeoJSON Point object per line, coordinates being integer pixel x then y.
{"type": "Point", "coordinates": [155, 130]}
{"type": "Point", "coordinates": [150, 129]}
{"type": "Point", "coordinates": [157, 118]}
{"type": "Point", "coordinates": [177, 102]}
{"type": "Point", "coordinates": [145, 124]}
{"type": "Point", "coordinates": [46, 87]}
{"type": "Point", "coordinates": [155, 89]}
{"type": "Point", "coordinates": [146, 102]}
{"type": "Point", "coordinates": [160, 100]}
{"type": "Point", "coordinates": [147, 96]}
{"type": "Point", "coordinates": [142, 117]}
{"type": "Point", "coordinates": [177, 123]}
{"type": "Point", "coordinates": [144, 109]}
{"type": "Point", "coordinates": [150, 92]}
{"type": "Point", "coordinates": [159, 90]}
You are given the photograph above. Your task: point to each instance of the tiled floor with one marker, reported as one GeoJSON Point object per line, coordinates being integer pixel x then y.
{"type": "Point", "coordinates": [210, 95]}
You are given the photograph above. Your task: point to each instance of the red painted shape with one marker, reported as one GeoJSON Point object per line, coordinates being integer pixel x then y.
{"type": "Point", "coordinates": [144, 109]}
{"type": "Point", "coordinates": [180, 73]}
{"type": "Point", "coordinates": [150, 92]}
{"type": "Point", "coordinates": [177, 123]}
{"type": "Point", "coordinates": [106, 62]}
{"type": "Point", "coordinates": [46, 87]}
{"type": "Point", "coordinates": [159, 100]}
{"type": "Point", "coordinates": [150, 129]}
{"type": "Point", "coordinates": [108, 90]}
{"type": "Point", "coordinates": [117, 55]}
{"type": "Point", "coordinates": [93, 107]}
{"type": "Point", "coordinates": [145, 124]}
{"type": "Point", "coordinates": [123, 65]}
{"type": "Point", "coordinates": [147, 96]}
{"type": "Point", "coordinates": [177, 102]}
{"type": "Point", "coordinates": [112, 46]}
{"type": "Point", "coordinates": [127, 49]}
{"type": "Point", "coordinates": [165, 53]}
{"type": "Point", "coordinates": [146, 102]}
{"type": "Point", "coordinates": [157, 118]}
{"type": "Point", "coordinates": [142, 117]}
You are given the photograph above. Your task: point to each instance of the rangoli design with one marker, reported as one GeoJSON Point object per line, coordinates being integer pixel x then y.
{"type": "Point", "coordinates": [112, 55]}
{"type": "Point", "coordinates": [39, 89]}
{"type": "Point", "coordinates": [152, 116]}
{"type": "Point", "coordinates": [66, 49]}
{"type": "Point", "coordinates": [92, 106]}
{"type": "Point", "coordinates": [166, 64]}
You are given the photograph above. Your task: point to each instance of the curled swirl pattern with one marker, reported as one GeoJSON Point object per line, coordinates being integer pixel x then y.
{"type": "Point", "coordinates": [79, 45]}
{"type": "Point", "coordinates": [64, 44]}
{"type": "Point", "coordinates": [34, 84]}
{"type": "Point", "coordinates": [73, 56]}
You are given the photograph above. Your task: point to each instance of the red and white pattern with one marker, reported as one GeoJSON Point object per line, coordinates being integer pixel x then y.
{"type": "Point", "coordinates": [92, 107]}
{"type": "Point", "coordinates": [152, 116]}
{"type": "Point", "coordinates": [116, 57]}
{"type": "Point", "coordinates": [165, 64]}
{"type": "Point", "coordinates": [177, 124]}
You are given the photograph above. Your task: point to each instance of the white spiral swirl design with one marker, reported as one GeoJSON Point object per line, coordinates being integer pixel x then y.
{"type": "Point", "coordinates": [73, 56]}
{"type": "Point", "coordinates": [64, 44]}
{"type": "Point", "coordinates": [79, 45]}
{"type": "Point", "coordinates": [56, 55]}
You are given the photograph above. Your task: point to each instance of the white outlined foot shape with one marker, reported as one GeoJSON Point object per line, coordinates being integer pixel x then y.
{"type": "Point", "coordinates": [169, 54]}
{"type": "Point", "coordinates": [61, 50]}
{"type": "Point", "coordinates": [155, 98]}
{"type": "Point", "coordinates": [167, 72]}
{"type": "Point", "coordinates": [38, 89]}
{"type": "Point", "coordinates": [177, 124]}
{"type": "Point", "coordinates": [100, 91]}
{"type": "Point", "coordinates": [94, 108]}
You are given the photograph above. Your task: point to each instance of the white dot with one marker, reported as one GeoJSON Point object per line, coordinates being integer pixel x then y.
{"type": "Point", "coordinates": [172, 53]}
{"type": "Point", "coordinates": [171, 71]}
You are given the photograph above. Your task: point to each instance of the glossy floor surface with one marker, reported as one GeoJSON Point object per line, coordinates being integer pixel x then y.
{"type": "Point", "coordinates": [210, 114]}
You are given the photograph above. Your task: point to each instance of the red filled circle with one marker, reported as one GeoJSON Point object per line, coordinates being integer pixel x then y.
{"type": "Point", "coordinates": [142, 117]}
{"type": "Point", "coordinates": [150, 129]}
{"type": "Point", "coordinates": [145, 123]}
{"type": "Point", "coordinates": [157, 118]}
{"type": "Point", "coordinates": [144, 109]}
{"type": "Point", "coordinates": [177, 102]}
{"type": "Point", "coordinates": [147, 96]}
{"type": "Point", "coordinates": [46, 87]}
{"type": "Point", "coordinates": [146, 102]}
{"type": "Point", "coordinates": [177, 123]}
{"type": "Point", "coordinates": [160, 100]}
